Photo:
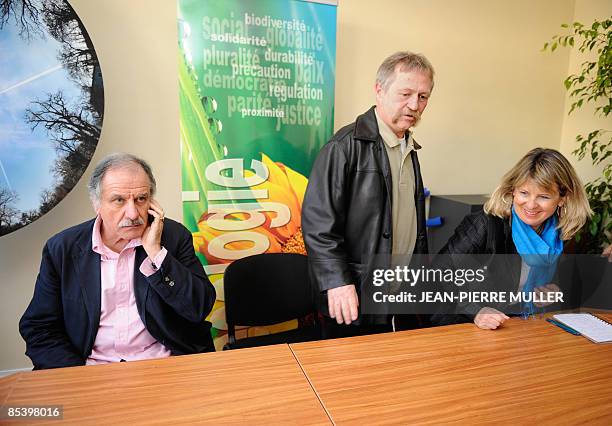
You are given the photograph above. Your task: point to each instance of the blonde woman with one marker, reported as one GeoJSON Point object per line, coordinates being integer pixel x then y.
{"type": "Point", "coordinates": [540, 204]}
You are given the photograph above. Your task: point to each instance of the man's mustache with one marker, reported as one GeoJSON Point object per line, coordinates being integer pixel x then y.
{"type": "Point", "coordinates": [415, 114]}
{"type": "Point", "coordinates": [129, 222]}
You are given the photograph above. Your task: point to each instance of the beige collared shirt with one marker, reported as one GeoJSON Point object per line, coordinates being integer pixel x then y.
{"type": "Point", "coordinates": [403, 184]}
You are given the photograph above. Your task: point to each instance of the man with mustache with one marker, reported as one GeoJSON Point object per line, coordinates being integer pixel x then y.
{"type": "Point", "coordinates": [365, 194]}
{"type": "Point", "coordinates": [124, 286]}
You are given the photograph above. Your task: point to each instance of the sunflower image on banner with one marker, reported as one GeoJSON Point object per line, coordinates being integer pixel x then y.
{"type": "Point", "coordinates": [256, 96]}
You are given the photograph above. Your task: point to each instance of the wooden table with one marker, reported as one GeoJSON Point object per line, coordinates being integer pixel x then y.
{"type": "Point", "coordinates": [527, 372]}
{"type": "Point", "coordinates": [250, 386]}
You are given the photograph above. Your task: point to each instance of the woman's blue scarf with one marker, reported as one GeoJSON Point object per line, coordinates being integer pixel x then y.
{"type": "Point", "coordinates": [541, 252]}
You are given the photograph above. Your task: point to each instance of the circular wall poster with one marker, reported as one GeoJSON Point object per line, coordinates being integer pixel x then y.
{"type": "Point", "coordinates": [51, 107]}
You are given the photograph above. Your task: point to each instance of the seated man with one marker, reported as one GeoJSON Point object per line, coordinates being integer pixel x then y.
{"type": "Point", "coordinates": [121, 287]}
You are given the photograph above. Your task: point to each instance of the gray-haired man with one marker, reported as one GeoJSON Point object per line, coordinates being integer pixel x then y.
{"type": "Point", "coordinates": [123, 286]}
{"type": "Point", "coordinates": [365, 193]}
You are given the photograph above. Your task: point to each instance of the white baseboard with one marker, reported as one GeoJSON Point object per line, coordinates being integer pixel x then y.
{"type": "Point", "coordinates": [4, 373]}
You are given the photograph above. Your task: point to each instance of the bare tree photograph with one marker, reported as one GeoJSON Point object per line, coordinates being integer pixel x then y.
{"type": "Point", "coordinates": [51, 107]}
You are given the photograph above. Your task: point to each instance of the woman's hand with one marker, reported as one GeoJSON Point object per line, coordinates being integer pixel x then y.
{"type": "Point", "coordinates": [489, 318]}
{"type": "Point", "coordinates": [607, 253]}
{"type": "Point", "coordinates": [545, 289]}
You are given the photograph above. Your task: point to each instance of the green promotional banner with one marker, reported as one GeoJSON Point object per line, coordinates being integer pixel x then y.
{"type": "Point", "coordinates": [256, 99]}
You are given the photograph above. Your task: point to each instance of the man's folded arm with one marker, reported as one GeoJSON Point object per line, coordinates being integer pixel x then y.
{"type": "Point", "coordinates": [182, 283]}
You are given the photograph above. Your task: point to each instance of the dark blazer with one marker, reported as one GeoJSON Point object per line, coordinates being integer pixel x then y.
{"type": "Point", "coordinates": [347, 213]}
{"type": "Point", "coordinates": [61, 323]}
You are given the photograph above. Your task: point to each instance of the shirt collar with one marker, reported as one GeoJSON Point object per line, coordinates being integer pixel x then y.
{"type": "Point", "coordinates": [98, 246]}
{"type": "Point", "coordinates": [390, 138]}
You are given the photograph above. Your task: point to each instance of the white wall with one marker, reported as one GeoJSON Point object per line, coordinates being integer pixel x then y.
{"type": "Point", "coordinates": [496, 97]}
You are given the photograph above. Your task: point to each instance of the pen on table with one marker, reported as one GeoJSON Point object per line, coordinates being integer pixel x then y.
{"type": "Point", "coordinates": [563, 326]}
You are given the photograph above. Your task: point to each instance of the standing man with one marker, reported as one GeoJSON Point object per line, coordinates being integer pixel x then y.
{"type": "Point", "coordinates": [365, 194]}
{"type": "Point", "coordinates": [121, 287]}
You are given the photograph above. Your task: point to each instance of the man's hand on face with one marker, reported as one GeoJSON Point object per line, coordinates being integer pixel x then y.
{"type": "Point", "coordinates": [151, 238]}
{"type": "Point", "coordinates": [343, 303]}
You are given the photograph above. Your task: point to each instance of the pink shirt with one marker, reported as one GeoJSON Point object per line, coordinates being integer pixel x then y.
{"type": "Point", "coordinates": [122, 335]}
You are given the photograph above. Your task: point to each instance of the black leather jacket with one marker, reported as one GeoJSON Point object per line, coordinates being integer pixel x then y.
{"type": "Point", "coordinates": [347, 214]}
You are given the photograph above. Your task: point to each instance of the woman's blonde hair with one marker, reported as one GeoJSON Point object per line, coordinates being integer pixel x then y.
{"type": "Point", "coordinates": [550, 170]}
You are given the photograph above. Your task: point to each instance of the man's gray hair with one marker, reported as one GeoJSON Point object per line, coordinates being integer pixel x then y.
{"type": "Point", "coordinates": [407, 61]}
{"type": "Point", "coordinates": [115, 161]}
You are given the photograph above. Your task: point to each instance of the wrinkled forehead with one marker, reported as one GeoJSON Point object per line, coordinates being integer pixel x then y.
{"type": "Point", "coordinates": [411, 76]}
{"type": "Point", "coordinates": [125, 179]}
{"type": "Point", "coordinates": [413, 69]}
